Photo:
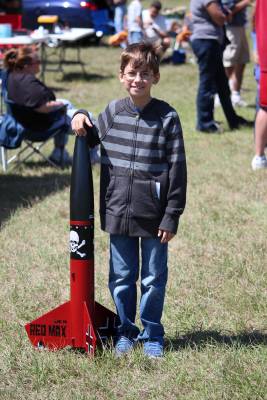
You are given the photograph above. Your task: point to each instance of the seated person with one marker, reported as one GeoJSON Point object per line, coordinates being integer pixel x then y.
{"type": "Point", "coordinates": [155, 28]}
{"type": "Point", "coordinates": [26, 90]}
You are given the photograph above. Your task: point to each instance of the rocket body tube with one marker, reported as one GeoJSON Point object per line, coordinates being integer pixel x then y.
{"type": "Point", "coordinates": [81, 238]}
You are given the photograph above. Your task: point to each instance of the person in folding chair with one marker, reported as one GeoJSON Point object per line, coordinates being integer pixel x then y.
{"type": "Point", "coordinates": [33, 104]}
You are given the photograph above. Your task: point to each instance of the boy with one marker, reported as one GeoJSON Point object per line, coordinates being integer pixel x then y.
{"type": "Point", "coordinates": [142, 194]}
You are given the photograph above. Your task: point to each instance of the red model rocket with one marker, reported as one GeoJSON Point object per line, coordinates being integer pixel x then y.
{"type": "Point", "coordinates": [81, 322]}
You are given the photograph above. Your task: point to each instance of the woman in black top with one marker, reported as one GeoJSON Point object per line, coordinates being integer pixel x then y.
{"type": "Point", "coordinates": [38, 101]}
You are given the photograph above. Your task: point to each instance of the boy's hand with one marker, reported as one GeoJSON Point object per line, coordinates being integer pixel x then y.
{"type": "Point", "coordinates": [166, 236]}
{"type": "Point", "coordinates": [79, 123]}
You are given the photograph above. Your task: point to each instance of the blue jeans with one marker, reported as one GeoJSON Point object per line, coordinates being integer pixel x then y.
{"type": "Point", "coordinates": [212, 79]}
{"type": "Point", "coordinates": [119, 14]}
{"type": "Point", "coordinates": [135, 37]}
{"type": "Point", "coordinates": [123, 275]}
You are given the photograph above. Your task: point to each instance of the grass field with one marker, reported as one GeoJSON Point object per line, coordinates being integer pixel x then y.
{"type": "Point", "coordinates": [215, 314]}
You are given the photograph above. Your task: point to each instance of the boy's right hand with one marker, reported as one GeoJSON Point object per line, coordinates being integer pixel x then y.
{"type": "Point", "coordinates": [79, 124]}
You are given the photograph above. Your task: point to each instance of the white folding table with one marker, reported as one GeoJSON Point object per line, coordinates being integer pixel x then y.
{"type": "Point", "coordinates": [60, 42]}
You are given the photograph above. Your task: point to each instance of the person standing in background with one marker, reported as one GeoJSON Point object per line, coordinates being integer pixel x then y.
{"type": "Point", "coordinates": [236, 53]}
{"type": "Point", "coordinates": [120, 11]}
{"type": "Point", "coordinates": [259, 161]}
{"type": "Point", "coordinates": [134, 21]}
{"type": "Point", "coordinates": [208, 19]}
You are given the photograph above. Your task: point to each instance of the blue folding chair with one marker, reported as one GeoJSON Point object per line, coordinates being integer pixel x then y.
{"type": "Point", "coordinates": [31, 142]}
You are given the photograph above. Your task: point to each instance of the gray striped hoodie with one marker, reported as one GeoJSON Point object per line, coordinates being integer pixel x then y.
{"type": "Point", "coordinates": [143, 168]}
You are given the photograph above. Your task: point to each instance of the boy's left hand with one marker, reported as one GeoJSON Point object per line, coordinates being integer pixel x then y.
{"type": "Point", "coordinates": [166, 236]}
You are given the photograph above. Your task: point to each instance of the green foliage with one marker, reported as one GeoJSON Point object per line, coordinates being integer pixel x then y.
{"type": "Point", "coordinates": [215, 311]}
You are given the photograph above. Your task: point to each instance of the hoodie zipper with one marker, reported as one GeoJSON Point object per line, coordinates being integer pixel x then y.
{"type": "Point", "coordinates": [131, 174]}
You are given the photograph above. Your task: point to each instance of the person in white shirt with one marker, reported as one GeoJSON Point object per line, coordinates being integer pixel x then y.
{"type": "Point", "coordinates": [155, 28]}
{"type": "Point", "coordinates": [134, 22]}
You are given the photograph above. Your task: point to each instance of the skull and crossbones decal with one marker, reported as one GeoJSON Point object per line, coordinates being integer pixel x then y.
{"type": "Point", "coordinates": [74, 244]}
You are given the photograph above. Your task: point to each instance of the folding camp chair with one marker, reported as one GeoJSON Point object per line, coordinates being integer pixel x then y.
{"type": "Point", "coordinates": [32, 141]}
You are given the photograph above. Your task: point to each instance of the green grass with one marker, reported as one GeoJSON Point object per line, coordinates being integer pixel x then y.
{"type": "Point", "coordinates": [215, 314]}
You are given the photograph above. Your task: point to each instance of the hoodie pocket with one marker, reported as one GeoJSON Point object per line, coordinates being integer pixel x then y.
{"type": "Point", "coordinates": [116, 195]}
{"type": "Point", "coordinates": [145, 202]}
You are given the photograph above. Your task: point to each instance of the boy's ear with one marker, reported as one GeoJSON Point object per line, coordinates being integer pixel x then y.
{"type": "Point", "coordinates": [156, 78]}
{"type": "Point", "coordinates": [121, 76]}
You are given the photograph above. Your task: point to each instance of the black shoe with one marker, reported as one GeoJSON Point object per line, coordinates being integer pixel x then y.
{"type": "Point", "coordinates": [213, 128]}
{"type": "Point", "coordinates": [241, 122]}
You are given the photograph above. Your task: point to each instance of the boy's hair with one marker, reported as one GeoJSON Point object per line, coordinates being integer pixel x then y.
{"type": "Point", "coordinates": [140, 54]}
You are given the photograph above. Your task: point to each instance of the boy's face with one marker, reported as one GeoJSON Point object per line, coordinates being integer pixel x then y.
{"type": "Point", "coordinates": [138, 81]}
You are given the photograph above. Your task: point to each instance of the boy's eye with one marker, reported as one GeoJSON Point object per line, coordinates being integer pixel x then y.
{"type": "Point", "coordinates": [131, 75]}
{"type": "Point", "coordinates": [145, 75]}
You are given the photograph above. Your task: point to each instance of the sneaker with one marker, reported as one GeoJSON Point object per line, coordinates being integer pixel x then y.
{"type": "Point", "coordinates": [124, 346]}
{"type": "Point", "coordinates": [153, 349]}
{"type": "Point", "coordinates": [259, 162]}
{"type": "Point", "coordinates": [237, 101]}
{"type": "Point", "coordinates": [58, 158]}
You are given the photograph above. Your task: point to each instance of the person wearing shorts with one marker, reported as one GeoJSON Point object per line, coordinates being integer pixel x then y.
{"type": "Point", "coordinates": [236, 54]}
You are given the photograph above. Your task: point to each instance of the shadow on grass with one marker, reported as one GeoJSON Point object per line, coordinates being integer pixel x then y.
{"type": "Point", "coordinates": [201, 339]}
{"type": "Point", "coordinates": [84, 76]}
{"type": "Point", "coordinates": [22, 191]}
{"type": "Point", "coordinates": [58, 89]}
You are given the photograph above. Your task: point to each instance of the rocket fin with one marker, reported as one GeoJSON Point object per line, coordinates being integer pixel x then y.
{"type": "Point", "coordinates": [51, 330]}
{"type": "Point", "coordinates": [106, 322]}
{"type": "Point", "coordinates": [90, 336]}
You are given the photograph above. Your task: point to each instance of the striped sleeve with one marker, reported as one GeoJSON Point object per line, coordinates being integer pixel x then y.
{"type": "Point", "coordinates": [176, 196]}
{"type": "Point", "coordinates": [105, 119]}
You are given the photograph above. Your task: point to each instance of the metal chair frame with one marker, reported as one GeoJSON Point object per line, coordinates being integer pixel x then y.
{"type": "Point", "coordinates": [30, 148]}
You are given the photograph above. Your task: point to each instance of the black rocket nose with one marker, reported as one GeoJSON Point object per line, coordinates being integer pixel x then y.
{"type": "Point", "coordinates": [81, 191]}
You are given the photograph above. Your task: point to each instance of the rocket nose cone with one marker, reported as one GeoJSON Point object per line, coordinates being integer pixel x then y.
{"type": "Point", "coordinates": [81, 191]}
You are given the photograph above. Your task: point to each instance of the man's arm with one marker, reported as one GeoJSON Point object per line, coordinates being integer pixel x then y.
{"type": "Point", "coordinates": [236, 7]}
{"type": "Point", "coordinates": [159, 31]}
{"type": "Point", "coordinates": [216, 14]}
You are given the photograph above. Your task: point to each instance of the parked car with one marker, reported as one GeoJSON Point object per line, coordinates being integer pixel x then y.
{"type": "Point", "coordinates": [72, 13]}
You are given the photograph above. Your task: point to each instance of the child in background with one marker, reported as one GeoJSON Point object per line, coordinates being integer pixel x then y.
{"type": "Point", "coordinates": [142, 195]}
